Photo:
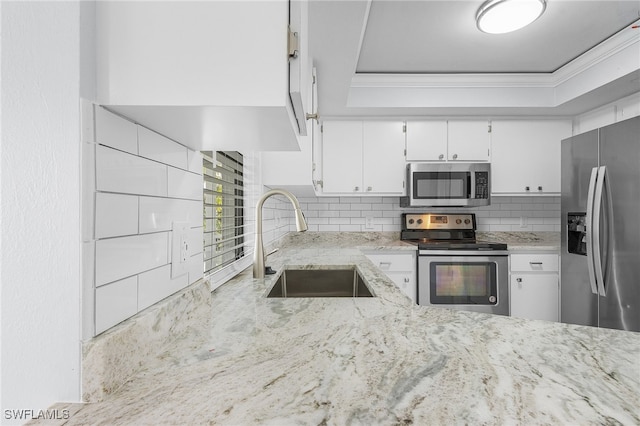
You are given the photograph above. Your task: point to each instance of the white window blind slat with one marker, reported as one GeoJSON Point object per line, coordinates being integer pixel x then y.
{"type": "Point", "coordinates": [223, 215]}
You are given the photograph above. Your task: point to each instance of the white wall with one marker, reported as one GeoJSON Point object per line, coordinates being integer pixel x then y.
{"type": "Point", "coordinates": [40, 195]}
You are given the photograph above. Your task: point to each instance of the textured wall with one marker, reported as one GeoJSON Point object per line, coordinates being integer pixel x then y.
{"type": "Point", "coordinates": [40, 231]}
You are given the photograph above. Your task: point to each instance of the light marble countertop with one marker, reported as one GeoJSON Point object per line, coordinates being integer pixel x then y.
{"type": "Point", "coordinates": [376, 361]}
{"type": "Point", "coordinates": [524, 241]}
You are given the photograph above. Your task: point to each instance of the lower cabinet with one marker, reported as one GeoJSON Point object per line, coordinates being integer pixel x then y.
{"type": "Point", "coordinates": [534, 286]}
{"type": "Point", "coordinates": [400, 267]}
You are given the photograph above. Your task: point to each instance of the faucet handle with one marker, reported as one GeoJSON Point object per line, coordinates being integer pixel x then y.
{"type": "Point", "coordinates": [269, 271]}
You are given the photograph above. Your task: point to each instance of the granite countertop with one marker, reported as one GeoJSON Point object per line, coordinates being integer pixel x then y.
{"type": "Point", "coordinates": [376, 361]}
{"type": "Point", "coordinates": [524, 241]}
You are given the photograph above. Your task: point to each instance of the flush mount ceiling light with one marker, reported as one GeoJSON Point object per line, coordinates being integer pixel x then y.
{"type": "Point", "coordinates": [504, 16]}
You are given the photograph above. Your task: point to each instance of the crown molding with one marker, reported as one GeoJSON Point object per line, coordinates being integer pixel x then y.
{"type": "Point", "coordinates": [617, 56]}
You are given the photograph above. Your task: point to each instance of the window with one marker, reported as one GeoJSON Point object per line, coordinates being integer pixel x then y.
{"type": "Point", "coordinates": [223, 209]}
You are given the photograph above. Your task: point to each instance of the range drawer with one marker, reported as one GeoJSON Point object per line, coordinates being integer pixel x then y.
{"type": "Point", "coordinates": [532, 262]}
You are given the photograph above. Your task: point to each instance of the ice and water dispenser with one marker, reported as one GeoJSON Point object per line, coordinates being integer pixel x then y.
{"type": "Point", "coordinates": [577, 233]}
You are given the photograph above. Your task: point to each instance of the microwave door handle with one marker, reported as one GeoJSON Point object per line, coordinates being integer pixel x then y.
{"type": "Point", "coordinates": [590, 231]}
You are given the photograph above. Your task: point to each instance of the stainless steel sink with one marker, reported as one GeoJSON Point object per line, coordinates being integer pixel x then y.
{"type": "Point", "coordinates": [345, 282]}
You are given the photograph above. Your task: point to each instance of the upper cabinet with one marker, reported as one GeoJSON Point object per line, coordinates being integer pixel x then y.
{"type": "Point", "coordinates": [363, 157]}
{"type": "Point", "coordinates": [426, 140]}
{"type": "Point", "coordinates": [213, 75]}
{"type": "Point", "coordinates": [526, 156]}
{"type": "Point", "coordinates": [468, 140]}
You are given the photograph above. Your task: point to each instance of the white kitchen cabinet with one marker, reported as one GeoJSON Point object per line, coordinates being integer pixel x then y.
{"type": "Point", "coordinates": [213, 75]}
{"type": "Point", "coordinates": [448, 141]}
{"type": "Point", "coordinates": [525, 157]}
{"type": "Point", "coordinates": [469, 140]}
{"type": "Point", "coordinates": [426, 140]}
{"type": "Point", "coordinates": [400, 267]}
{"type": "Point", "coordinates": [534, 286]}
{"type": "Point", "coordinates": [294, 170]}
{"type": "Point", "coordinates": [363, 157]}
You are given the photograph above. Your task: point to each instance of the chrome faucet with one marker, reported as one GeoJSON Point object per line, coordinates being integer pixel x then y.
{"type": "Point", "coordinates": [258, 252]}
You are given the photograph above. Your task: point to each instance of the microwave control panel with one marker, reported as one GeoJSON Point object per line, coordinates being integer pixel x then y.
{"type": "Point", "coordinates": [482, 185]}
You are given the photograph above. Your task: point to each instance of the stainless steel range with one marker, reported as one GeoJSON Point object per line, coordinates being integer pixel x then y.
{"type": "Point", "coordinates": [454, 270]}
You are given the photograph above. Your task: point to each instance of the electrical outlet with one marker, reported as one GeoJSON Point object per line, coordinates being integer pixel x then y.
{"type": "Point", "coordinates": [180, 251]}
{"type": "Point", "coordinates": [368, 222]}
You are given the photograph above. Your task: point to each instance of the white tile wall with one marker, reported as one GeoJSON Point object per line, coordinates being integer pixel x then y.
{"type": "Point", "coordinates": [116, 302]}
{"type": "Point", "coordinates": [115, 132]}
{"type": "Point", "coordinates": [194, 161]}
{"type": "Point", "coordinates": [159, 148]}
{"type": "Point", "coordinates": [125, 173]}
{"type": "Point", "coordinates": [144, 183]}
{"type": "Point", "coordinates": [157, 284]}
{"type": "Point", "coordinates": [116, 215]}
{"type": "Point", "coordinates": [117, 258]}
{"type": "Point", "coordinates": [342, 214]}
{"type": "Point", "coordinates": [184, 184]}
{"type": "Point", "coordinates": [157, 214]}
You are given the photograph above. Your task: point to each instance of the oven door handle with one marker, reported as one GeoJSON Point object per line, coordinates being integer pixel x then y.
{"type": "Point", "coordinates": [486, 253]}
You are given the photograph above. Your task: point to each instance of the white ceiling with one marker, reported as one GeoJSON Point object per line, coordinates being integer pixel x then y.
{"type": "Point", "coordinates": [437, 42]}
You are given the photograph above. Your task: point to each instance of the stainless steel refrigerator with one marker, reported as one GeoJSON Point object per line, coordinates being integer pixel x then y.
{"type": "Point", "coordinates": [600, 257]}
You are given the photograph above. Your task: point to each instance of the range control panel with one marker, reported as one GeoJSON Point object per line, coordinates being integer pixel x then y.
{"type": "Point", "coordinates": [462, 221]}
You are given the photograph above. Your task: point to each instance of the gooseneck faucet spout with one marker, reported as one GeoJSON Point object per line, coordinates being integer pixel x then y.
{"type": "Point", "coordinates": [258, 252]}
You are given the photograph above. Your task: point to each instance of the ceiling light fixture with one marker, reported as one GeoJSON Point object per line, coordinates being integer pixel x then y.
{"type": "Point", "coordinates": [504, 16]}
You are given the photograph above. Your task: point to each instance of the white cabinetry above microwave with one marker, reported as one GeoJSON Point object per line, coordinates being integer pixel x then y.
{"type": "Point", "coordinates": [211, 74]}
{"type": "Point", "coordinates": [526, 156]}
{"type": "Point", "coordinates": [453, 140]}
{"type": "Point", "coordinates": [363, 157]}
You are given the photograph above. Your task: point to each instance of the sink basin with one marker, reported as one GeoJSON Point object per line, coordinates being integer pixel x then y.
{"type": "Point", "coordinates": [345, 282]}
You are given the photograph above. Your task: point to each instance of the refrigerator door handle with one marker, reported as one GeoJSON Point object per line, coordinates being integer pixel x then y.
{"type": "Point", "coordinates": [590, 231]}
{"type": "Point", "coordinates": [597, 244]}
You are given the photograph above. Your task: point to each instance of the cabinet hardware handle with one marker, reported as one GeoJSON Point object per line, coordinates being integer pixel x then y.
{"type": "Point", "coordinates": [441, 157]}
{"type": "Point", "coordinates": [357, 188]}
{"type": "Point", "coordinates": [526, 188]}
{"type": "Point", "coordinates": [455, 156]}
{"type": "Point", "coordinates": [535, 263]}
{"type": "Point", "coordinates": [369, 188]}
{"type": "Point", "coordinates": [539, 188]}
{"type": "Point", "coordinates": [519, 280]}
{"type": "Point", "coordinates": [406, 279]}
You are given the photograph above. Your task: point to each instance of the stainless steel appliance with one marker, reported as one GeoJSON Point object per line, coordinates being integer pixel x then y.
{"type": "Point", "coordinates": [454, 270]}
{"type": "Point", "coordinates": [600, 258]}
{"type": "Point", "coordinates": [447, 184]}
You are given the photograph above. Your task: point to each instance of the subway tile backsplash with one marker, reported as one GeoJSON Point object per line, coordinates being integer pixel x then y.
{"type": "Point", "coordinates": [144, 184]}
{"type": "Point", "coordinates": [350, 214]}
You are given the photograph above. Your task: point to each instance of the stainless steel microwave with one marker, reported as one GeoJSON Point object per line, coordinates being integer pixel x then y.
{"type": "Point", "coordinates": [447, 185]}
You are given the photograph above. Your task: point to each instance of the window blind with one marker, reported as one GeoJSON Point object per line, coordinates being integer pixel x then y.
{"type": "Point", "coordinates": [224, 228]}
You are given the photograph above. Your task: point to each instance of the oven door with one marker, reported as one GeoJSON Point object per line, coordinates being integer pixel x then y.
{"type": "Point", "coordinates": [467, 280]}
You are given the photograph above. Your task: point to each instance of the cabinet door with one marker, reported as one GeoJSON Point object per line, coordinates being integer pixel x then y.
{"type": "Point", "coordinates": [342, 157]}
{"type": "Point", "coordinates": [426, 140]}
{"type": "Point", "coordinates": [383, 157]}
{"type": "Point", "coordinates": [406, 282]}
{"type": "Point", "coordinates": [526, 156]}
{"type": "Point", "coordinates": [534, 296]}
{"type": "Point", "coordinates": [468, 141]}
